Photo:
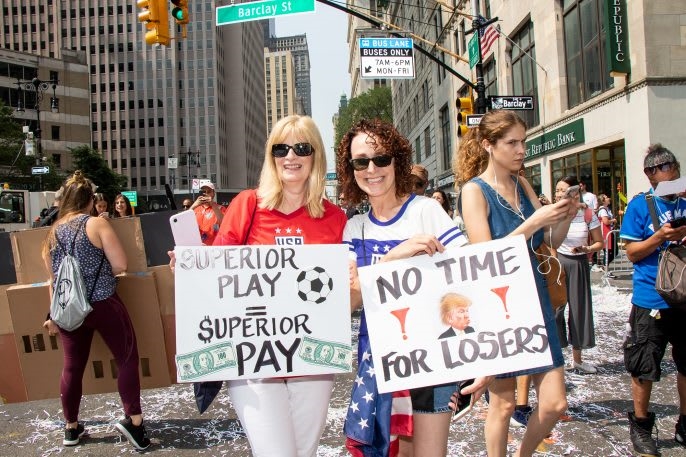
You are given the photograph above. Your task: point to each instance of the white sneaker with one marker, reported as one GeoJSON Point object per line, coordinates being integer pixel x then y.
{"type": "Point", "coordinates": [584, 367]}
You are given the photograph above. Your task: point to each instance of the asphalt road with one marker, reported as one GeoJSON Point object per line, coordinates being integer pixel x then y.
{"type": "Point", "coordinates": [597, 424]}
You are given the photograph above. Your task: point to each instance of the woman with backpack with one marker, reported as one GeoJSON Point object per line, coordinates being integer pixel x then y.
{"type": "Point", "coordinates": [100, 256]}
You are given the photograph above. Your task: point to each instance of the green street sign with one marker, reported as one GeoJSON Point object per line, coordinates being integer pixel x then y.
{"type": "Point", "coordinates": [255, 11]}
{"type": "Point", "coordinates": [473, 47]}
{"type": "Point", "coordinates": [132, 195]}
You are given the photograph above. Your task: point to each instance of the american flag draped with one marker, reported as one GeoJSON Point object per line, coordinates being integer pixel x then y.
{"type": "Point", "coordinates": [488, 36]}
{"type": "Point", "coordinates": [375, 420]}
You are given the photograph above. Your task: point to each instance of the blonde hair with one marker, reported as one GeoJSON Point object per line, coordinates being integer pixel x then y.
{"type": "Point", "coordinates": [76, 196]}
{"type": "Point", "coordinates": [270, 189]}
{"type": "Point", "coordinates": [450, 302]}
{"type": "Point", "coordinates": [471, 159]}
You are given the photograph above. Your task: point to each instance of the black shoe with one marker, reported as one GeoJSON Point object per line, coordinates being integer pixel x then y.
{"type": "Point", "coordinates": [72, 436]}
{"type": "Point", "coordinates": [136, 435]}
{"type": "Point", "coordinates": [640, 432]}
{"type": "Point", "coordinates": [680, 431]}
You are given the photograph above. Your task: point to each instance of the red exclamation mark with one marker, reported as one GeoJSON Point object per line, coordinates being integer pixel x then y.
{"type": "Point", "coordinates": [502, 292]}
{"type": "Point", "coordinates": [400, 314]}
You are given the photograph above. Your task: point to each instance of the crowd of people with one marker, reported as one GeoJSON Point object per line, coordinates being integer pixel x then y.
{"type": "Point", "coordinates": [374, 165]}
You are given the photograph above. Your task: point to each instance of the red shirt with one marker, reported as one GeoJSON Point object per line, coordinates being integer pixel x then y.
{"type": "Point", "coordinates": [274, 227]}
{"type": "Point", "coordinates": [207, 222]}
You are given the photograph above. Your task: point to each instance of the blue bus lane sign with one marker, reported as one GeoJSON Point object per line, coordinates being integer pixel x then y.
{"type": "Point", "coordinates": [389, 58]}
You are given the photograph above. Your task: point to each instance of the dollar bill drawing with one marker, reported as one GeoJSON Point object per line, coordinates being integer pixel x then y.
{"type": "Point", "coordinates": [326, 353]}
{"type": "Point", "coordinates": [204, 361]}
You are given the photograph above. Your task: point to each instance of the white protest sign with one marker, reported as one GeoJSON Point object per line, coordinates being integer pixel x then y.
{"type": "Point", "coordinates": [676, 186]}
{"type": "Point", "coordinates": [495, 324]}
{"type": "Point", "coordinates": [261, 311]}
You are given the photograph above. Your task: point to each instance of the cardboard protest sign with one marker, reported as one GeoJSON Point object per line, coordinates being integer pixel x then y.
{"type": "Point", "coordinates": [261, 311]}
{"type": "Point", "coordinates": [470, 311]}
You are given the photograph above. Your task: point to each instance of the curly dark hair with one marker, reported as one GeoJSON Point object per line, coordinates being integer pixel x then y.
{"type": "Point", "coordinates": [384, 138]}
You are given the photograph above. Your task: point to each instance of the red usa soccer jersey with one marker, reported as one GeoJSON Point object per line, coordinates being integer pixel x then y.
{"type": "Point", "coordinates": [274, 227]}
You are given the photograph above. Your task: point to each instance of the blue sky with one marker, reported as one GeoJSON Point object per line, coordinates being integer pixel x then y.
{"type": "Point", "coordinates": [326, 37]}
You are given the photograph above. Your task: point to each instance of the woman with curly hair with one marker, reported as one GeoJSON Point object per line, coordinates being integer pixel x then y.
{"type": "Point", "coordinates": [495, 203]}
{"type": "Point", "coordinates": [374, 164]}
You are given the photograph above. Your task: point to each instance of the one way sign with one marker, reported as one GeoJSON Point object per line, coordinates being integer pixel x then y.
{"type": "Point", "coordinates": [40, 170]}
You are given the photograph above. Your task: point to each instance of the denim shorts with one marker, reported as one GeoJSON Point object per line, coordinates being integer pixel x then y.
{"type": "Point", "coordinates": [432, 399]}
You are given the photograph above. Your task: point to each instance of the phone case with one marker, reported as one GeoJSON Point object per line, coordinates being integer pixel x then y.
{"type": "Point", "coordinates": [184, 227]}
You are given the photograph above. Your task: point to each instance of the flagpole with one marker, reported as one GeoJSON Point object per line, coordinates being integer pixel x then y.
{"type": "Point", "coordinates": [480, 104]}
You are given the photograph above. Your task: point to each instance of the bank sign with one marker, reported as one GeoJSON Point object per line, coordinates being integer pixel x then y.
{"type": "Point", "coordinates": [617, 37]}
{"type": "Point", "coordinates": [389, 58]}
{"type": "Point", "coordinates": [556, 140]}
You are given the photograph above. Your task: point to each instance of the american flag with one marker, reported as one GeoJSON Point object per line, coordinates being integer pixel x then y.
{"type": "Point", "coordinates": [488, 36]}
{"type": "Point", "coordinates": [374, 421]}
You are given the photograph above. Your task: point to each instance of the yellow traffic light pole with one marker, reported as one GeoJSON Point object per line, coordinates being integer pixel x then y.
{"type": "Point", "coordinates": [156, 19]}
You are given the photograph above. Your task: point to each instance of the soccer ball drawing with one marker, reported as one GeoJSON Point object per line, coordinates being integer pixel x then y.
{"type": "Point", "coordinates": [314, 285]}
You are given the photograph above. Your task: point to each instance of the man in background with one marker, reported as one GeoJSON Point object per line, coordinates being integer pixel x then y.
{"type": "Point", "coordinates": [421, 179]}
{"type": "Point", "coordinates": [653, 323]}
{"type": "Point", "coordinates": [589, 198]}
{"type": "Point", "coordinates": [187, 203]}
{"type": "Point", "coordinates": [350, 211]}
{"type": "Point", "coordinates": [208, 213]}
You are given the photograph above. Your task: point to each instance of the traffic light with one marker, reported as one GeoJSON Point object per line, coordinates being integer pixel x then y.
{"type": "Point", "coordinates": [180, 13]}
{"type": "Point", "coordinates": [156, 19]}
{"type": "Point", "coordinates": [465, 105]}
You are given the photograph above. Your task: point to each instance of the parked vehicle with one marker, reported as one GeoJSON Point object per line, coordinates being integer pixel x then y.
{"type": "Point", "coordinates": [19, 209]}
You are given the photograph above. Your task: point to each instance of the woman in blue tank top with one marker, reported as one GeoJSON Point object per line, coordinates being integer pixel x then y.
{"type": "Point", "coordinates": [495, 203]}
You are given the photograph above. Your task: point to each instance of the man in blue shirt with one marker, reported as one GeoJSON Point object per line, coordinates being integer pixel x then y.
{"type": "Point", "coordinates": [653, 322]}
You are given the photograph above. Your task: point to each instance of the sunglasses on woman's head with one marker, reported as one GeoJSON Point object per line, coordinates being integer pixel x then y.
{"type": "Point", "coordinates": [379, 161]}
{"type": "Point", "coordinates": [300, 149]}
{"type": "Point", "coordinates": [662, 167]}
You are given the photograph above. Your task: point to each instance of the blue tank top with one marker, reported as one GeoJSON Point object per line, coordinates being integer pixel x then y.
{"type": "Point", "coordinates": [87, 255]}
{"type": "Point", "coordinates": [502, 218]}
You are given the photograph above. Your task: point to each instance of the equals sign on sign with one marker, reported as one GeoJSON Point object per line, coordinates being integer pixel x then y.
{"type": "Point", "coordinates": [256, 311]}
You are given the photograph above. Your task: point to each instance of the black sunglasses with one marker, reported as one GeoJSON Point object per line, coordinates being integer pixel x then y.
{"type": "Point", "coordinates": [300, 149]}
{"type": "Point", "coordinates": [662, 167]}
{"type": "Point", "coordinates": [379, 161]}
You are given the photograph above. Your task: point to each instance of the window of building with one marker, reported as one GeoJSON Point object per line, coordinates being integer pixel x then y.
{"type": "Point", "coordinates": [490, 77]}
{"type": "Point", "coordinates": [587, 73]}
{"type": "Point", "coordinates": [523, 55]}
{"type": "Point", "coordinates": [55, 129]}
{"type": "Point", "coordinates": [533, 175]}
{"type": "Point", "coordinates": [446, 138]}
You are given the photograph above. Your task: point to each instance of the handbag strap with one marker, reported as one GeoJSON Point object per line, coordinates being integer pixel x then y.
{"type": "Point", "coordinates": [653, 212]}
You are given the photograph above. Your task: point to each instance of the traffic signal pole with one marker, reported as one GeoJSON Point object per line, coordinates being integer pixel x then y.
{"type": "Point", "coordinates": [423, 51]}
{"type": "Point", "coordinates": [480, 104]}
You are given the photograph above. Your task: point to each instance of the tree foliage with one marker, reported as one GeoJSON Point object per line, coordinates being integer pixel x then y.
{"type": "Point", "coordinates": [95, 167]}
{"type": "Point", "coordinates": [13, 160]}
{"type": "Point", "coordinates": [375, 103]}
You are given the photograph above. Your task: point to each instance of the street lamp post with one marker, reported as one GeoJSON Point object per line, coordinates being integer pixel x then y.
{"type": "Point", "coordinates": [39, 87]}
{"type": "Point", "coordinates": [189, 156]}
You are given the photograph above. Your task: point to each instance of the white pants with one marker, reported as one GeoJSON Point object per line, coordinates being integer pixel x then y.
{"type": "Point", "coordinates": [283, 417]}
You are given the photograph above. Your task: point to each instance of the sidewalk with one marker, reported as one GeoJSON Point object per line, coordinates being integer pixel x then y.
{"type": "Point", "coordinates": [597, 410]}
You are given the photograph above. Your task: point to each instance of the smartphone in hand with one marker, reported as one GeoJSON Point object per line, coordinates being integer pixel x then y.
{"type": "Point", "coordinates": [184, 227]}
{"type": "Point", "coordinates": [464, 402]}
{"type": "Point", "coordinates": [678, 222]}
{"type": "Point", "coordinates": [571, 192]}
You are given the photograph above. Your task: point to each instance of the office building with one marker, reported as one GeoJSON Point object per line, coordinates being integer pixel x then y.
{"type": "Point", "coordinates": [200, 100]}
{"type": "Point", "coordinates": [607, 78]}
